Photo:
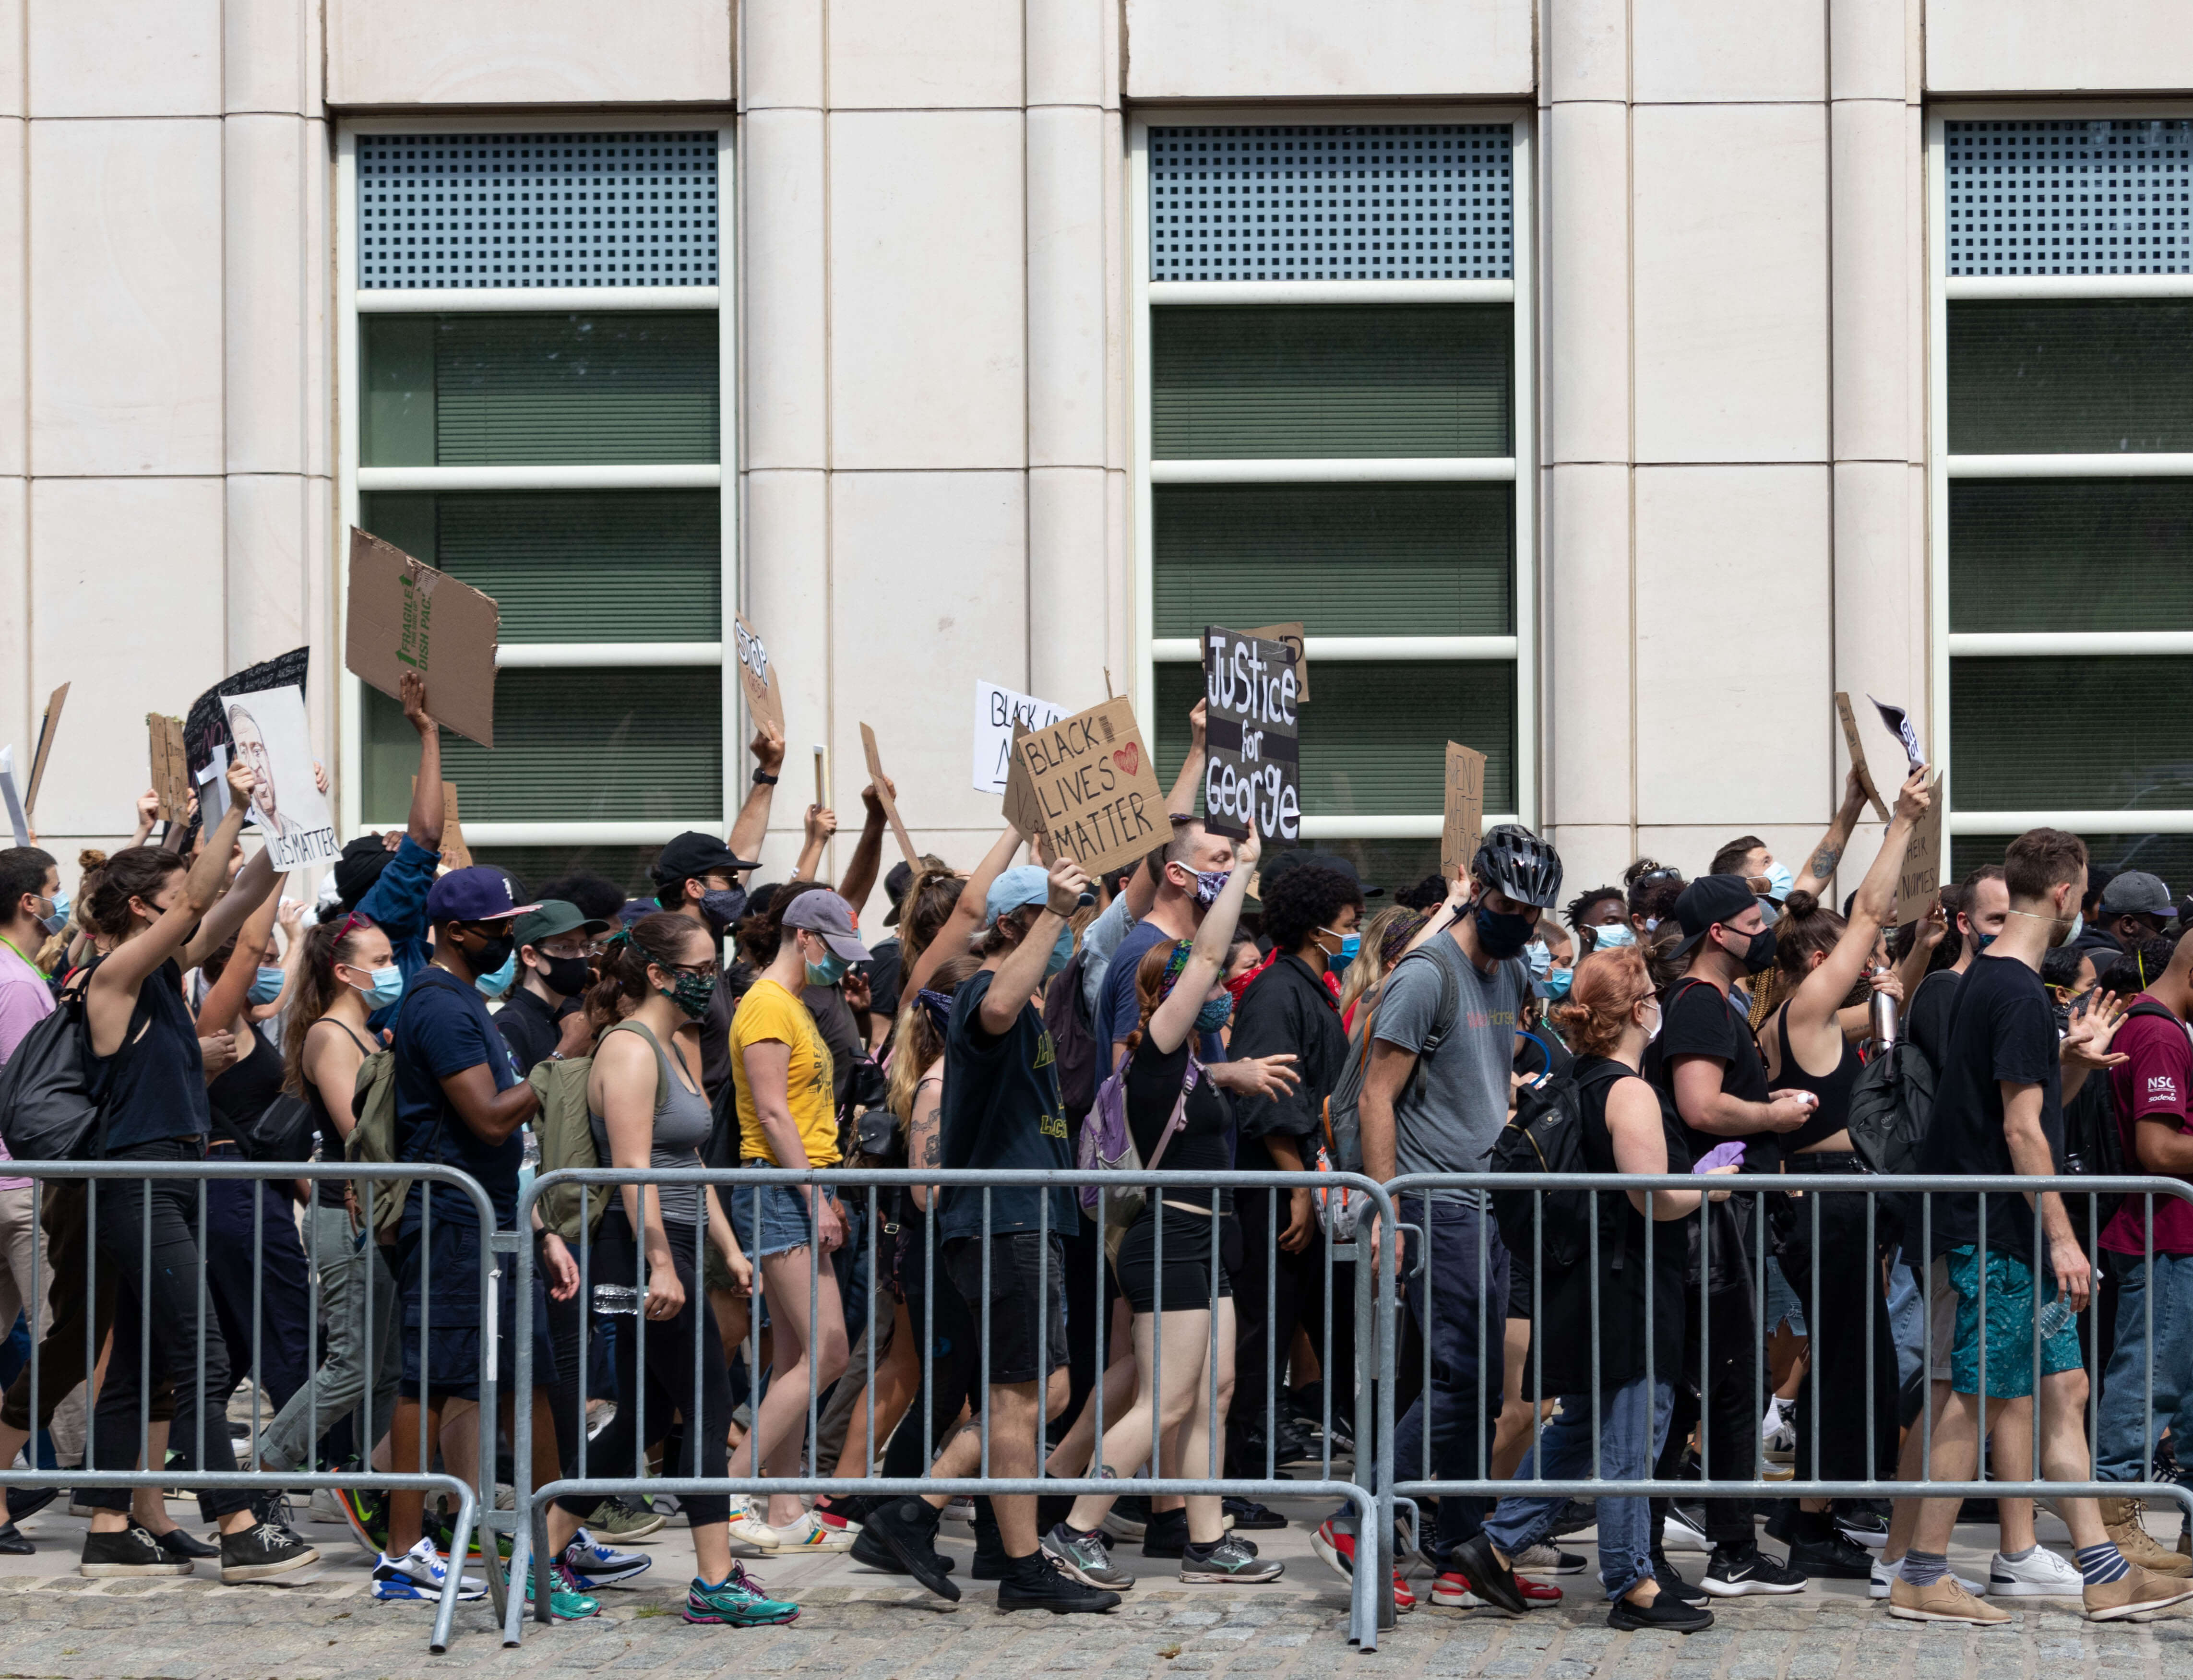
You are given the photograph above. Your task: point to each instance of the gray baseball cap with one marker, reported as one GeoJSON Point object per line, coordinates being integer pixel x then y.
{"type": "Point", "coordinates": [2136, 892]}
{"type": "Point", "coordinates": [824, 913]}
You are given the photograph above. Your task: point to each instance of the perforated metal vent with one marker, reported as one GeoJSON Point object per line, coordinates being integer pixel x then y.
{"type": "Point", "coordinates": [1408, 201]}
{"type": "Point", "coordinates": [2071, 198]}
{"type": "Point", "coordinates": [471, 210]}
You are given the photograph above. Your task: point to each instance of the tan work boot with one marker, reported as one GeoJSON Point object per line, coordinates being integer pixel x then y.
{"type": "Point", "coordinates": [2121, 1521]}
{"type": "Point", "coordinates": [1944, 1600]}
{"type": "Point", "coordinates": [2139, 1595]}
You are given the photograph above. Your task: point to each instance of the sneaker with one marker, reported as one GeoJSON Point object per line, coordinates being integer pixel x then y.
{"type": "Point", "coordinates": [1227, 1560]}
{"type": "Point", "coordinates": [748, 1525]}
{"type": "Point", "coordinates": [1165, 1535]}
{"type": "Point", "coordinates": [1576, 1516]}
{"type": "Point", "coordinates": [365, 1510]}
{"type": "Point", "coordinates": [1336, 1546]}
{"type": "Point", "coordinates": [1546, 1560]}
{"type": "Point", "coordinates": [2136, 1597]}
{"type": "Point", "coordinates": [565, 1602]}
{"type": "Point", "coordinates": [594, 1566]}
{"type": "Point", "coordinates": [15, 1543]}
{"type": "Point", "coordinates": [1666, 1614]}
{"type": "Point", "coordinates": [837, 1514]}
{"type": "Point", "coordinates": [2040, 1574]}
{"type": "Point", "coordinates": [185, 1547]}
{"type": "Point", "coordinates": [1732, 1575]}
{"type": "Point", "coordinates": [1036, 1583]}
{"type": "Point", "coordinates": [2120, 1521]}
{"type": "Point", "coordinates": [1672, 1583]}
{"type": "Point", "coordinates": [324, 1506]}
{"type": "Point", "coordinates": [1489, 1579]}
{"type": "Point", "coordinates": [1086, 1557]}
{"type": "Point", "coordinates": [1777, 1431]}
{"type": "Point", "coordinates": [419, 1573]}
{"type": "Point", "coordinates": [1129, 1516]}
{"type": "Point", "coordinates": [1862, 1525]}
{"type": "Point", "coordinates": [810, 1534]}
{"type": "Point", "coordinates": [1450, 1592]}
{"type": "Point", "coordinates": [263, 1550]}
{"type": "Point", "coordinates": [1825, 1552]}
{"type": "Point", "coordinates": [1944, 1600]}
{"type": "Point", "coordinates": [625, 1521]}
{"type": "Point", "coordinates": [127, 1552]}
{"type": "Point", "coordinates": [1535, 1594]}
{"type": "Point", "coordinates": [906, 1531]}
{"type": "Point", "coordinates": [1248, 1514]}
{"type": "Point", "coordinates": [736, 1602]}
{"type": "Point", "coordinates": [1685, 1530]}
{"type": "Point", "coordinates": [1886, 1576]}
{"type": "Point", "coordinates": [960, 1509]}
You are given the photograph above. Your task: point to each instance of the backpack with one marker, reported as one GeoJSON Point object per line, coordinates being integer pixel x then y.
{"type": "Point", "coordinates": [373, 1140]}
{"type": "Point", "coordinates": [1107, 1145]}
{"type": "Point", "coordinates": [48, 1108]}
{"type": "Point", "coordinates": [1073, 1037]}
{"type": "Point", "coordinates": [1546, 1135]}
{"type": "Point", "coordinates": [565, 1127]}
{"type": "Point", "coordinates": [1890, 1107]}
{"type": "Point", "coordinates": [1343, 1128]}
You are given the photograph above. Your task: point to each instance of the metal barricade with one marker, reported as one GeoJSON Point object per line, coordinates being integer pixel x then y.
{"type": "Point", "coordinates": [1749, 1219]}
{"type": "Point", "coordinates": [1373, 1290]}
{"type": "Point", "coordinates": [94, 1174]}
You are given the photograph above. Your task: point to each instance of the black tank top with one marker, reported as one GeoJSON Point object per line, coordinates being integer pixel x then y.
{"type": "Point", "coordinates": [1834, 1090]}
{"type": "Point", "coordinates": [152, 1089]}
{"type": "Point", "coordinates": [241, 1091]}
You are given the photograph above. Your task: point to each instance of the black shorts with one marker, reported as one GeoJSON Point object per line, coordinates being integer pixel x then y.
{"type": "Point", "coordinates": [438, 1282]}
{"type": "Point", "coordinates": [1522, 1284]}
{"type": "Point", "coordinates": [1188, 1269]}
{"type": "Point", "coordinates": [1023, 1307]}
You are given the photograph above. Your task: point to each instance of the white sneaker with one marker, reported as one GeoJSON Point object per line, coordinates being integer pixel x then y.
{"type": "Point", "coordinates": [2040, 1574]}
{"type": "Point", "coordinates": [325, 1507]}
{"type": "Point", "coordinates": [1885, 1574]}
{"type": "Point", "coordinates": [810, 1534]}
{"type": "Point", "coordinates": [1680, 1533]}
{"type": "Point", "coordinates": [1777, 1431]}
{"type": "Point", "coordinates": [748, 1528]}
{"type": "Point", "coordinates": [418, 1574]}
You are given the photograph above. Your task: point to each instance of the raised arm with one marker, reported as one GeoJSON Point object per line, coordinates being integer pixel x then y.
{"type": "Point", "coordinates": [225, 998]}
{"type": "Point", "coordinates": [1020, 971]}
{"type": "Point", "coordinates": [1176, 1017]}
{"type": "Point", "coordinates": [965, 919]}
{"type": "Point", "coordinates": [1813, 1007]}
{"type": "Point", "coordinates": [1820, 868]}
{"type": "Point", "coordinates": [860, 877]}
{"type": "Point", "coordinates": [247, 889]}
{"type": "Point", "coordinates": [753, 825]}
{"type": "Point", "coordinates": [425, 824]}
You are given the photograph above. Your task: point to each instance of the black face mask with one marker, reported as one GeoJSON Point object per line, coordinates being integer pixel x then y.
{"type": "Point", "coordinates": [1760, 954]}
{"type": "Point", "coordinates": [1503, 937]}
{"type": "Point", "coordinates": [492, 954]}
{"type": "Point", "coordinates": [566, 976]}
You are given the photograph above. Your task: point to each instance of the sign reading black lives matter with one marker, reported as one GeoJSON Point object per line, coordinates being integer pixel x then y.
{"type": "Point", "coordinates": [1253, 775]}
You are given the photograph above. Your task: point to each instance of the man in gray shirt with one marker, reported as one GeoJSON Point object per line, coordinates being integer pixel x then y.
{"type": "Point", "coordinates": [1434, 1098]}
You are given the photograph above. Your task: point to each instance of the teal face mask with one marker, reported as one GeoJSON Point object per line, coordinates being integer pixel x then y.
{"type": "Point", "coordinates": [386, 988]}
{"type": "Point", "coordinates": [1556, 983]}
{"type": "Point", "coordinates": [828, 971]}
{"type": "Point", "coordinates": [1061, 954]}
{"type": "Point", "coordinates": [1538, 958]}
{"type": "Point", "coordinates": [1613, 937]}
{"type": "Point", "coordinates": [1351, 946]}
{"type": "Point", "coordinates": [496, 984]}
{"type": "Point", "coordinates": [268, 985]}
{"type": "Point", "coordinates": [1215, 1012]}
{"type": "Point", "coordinates": [1780, 883]}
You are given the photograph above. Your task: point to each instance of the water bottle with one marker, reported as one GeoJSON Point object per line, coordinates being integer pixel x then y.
{"type": "Point", "coordinates": [2055, 1318]}
{"type": "Point", "coordinates": [616, 1299]}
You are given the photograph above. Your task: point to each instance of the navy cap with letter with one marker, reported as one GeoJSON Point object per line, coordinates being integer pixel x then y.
{"type": "Point", "coordinates": [477, 894]}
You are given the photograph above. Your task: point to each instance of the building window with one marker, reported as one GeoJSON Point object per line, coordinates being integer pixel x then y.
{"type": "Point", "coordinates": [2063, 499]}
{"type": "Point", "coordinates": [1333, 428]}
{"type": "Point", "coordinates": [536, 405]}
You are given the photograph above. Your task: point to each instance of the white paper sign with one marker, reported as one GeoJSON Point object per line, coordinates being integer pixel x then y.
{"type": "Point", "coordinates": [268, 728]}
{"type": "Point", "coordinates": [995, 711]}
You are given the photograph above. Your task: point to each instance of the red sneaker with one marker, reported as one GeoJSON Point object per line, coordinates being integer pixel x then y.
{"type": "Point", "coordinates": [1450, 1592]}
{"type": "Point", "coordinates": [1538, 1594]}
{"type": "Point", "coordinates": [1336, 1546]}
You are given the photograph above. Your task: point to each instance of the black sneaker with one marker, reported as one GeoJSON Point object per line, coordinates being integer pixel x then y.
{"type": "Point", "coordinates": [181, 1544]}
{"type": "Point", "coordinates": [1165, 1535]}
{"type": "Point", "coordinates": [1820, 1549]}
{"type": "Point", "coordinates": [1861, 1524]}
{"type": "Point", "coordinates": [1733, 1574]}
{"type": "Point", "coordinates": [1035, 1584]}
{"type": "Point", "coordinates": [1248, 1514]}
{"type": "Point", "coordinates": [252, 1554]}
{"type": "Point", "coordinates": [13, 1542]}
{"type": "Point", "coordinates": [1488, 1578]}
{"type": "Point", "coordinates": [1576, 1517]}
{"type": "Point", "coordinates": [127, 1551]}
{"type": "Point", "coordinates": [1672, 1583]}
{"type": "Point", "coordinates": [1666, 1614]}
{"type": "Point", "coordinates": [906, 1529]}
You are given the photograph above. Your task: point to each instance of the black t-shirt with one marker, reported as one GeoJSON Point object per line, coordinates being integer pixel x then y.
{"type": "Point", "coordinates": [716, 1043]}
{"type": "Point", "coordinates": [833, 1019]}
{"type": "Point", "coordinates": [243, 1089]}
{"type": "Point", "coordinates": [1927, 1020]}
{"type": "Point", "coordinates": [885, 969]}
{"type": "Point", "coordinates": [2001, 1029]}
{"type": "Point", "coordinates": [1697, 1020]}
{"type": "Point", "coordinates": [1205, 1141]}
{"type": "Point", "coordinates": [1001, 1109]}
{"type": "Point", "coordinates": [527, 1023]}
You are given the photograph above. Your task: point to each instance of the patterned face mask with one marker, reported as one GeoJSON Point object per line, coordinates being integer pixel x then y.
{"type": "Point", "coordinates": [692, 994]}
{"type": "Point", "coordinates": [1209, 884]}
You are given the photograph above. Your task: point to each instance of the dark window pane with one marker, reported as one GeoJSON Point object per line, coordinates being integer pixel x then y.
{"type": "Point", "coordinates": [2073, 376]}
{"type": "Point", "coordinates": [626, 865]}
{"type": "Point", "coordinates": [2067, 733]}
{"type": "Point", "coordinates": [2071, 554]}
{"type": "Point", "coordinates": [2168, 857]}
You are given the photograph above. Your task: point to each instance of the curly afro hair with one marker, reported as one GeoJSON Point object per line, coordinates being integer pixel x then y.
{"type": "Point", "coordinates": [1303, 900]}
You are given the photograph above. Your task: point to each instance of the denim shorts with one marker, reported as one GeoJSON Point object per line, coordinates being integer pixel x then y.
{"type": "Point", "coordinates": [781, 1212]}
{"type": "Point", "coordinates": [2010, 1310]}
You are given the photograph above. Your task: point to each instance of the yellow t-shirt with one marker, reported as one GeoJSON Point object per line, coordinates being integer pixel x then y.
{"type": "Point", "coordinates": [769, 1012]}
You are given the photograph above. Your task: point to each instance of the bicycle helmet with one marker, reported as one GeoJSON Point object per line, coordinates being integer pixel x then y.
{"type": "Point", "coordinates": [1515, 862]}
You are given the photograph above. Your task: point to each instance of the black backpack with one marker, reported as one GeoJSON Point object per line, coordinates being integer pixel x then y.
{"type": "Point", "coordinates": [49, 1088]}
{"type": "Point", "coordinates": [1072, 1041]}
{"type": "Point", "coordinates": [1546, 1136]}
{"type": "Point", "coordinates": [1890, 1107]}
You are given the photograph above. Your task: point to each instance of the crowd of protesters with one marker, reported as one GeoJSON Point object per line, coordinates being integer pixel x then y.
{"type": "Point", "coordinates": [1219, 1007]}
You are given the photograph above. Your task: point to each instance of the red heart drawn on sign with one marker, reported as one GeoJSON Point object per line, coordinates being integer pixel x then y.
{"type": "Point", "coordinates": [1128, 758]}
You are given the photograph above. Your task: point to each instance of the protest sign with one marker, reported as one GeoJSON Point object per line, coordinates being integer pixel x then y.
{"type": "Point", "coordinates": [999, 713]}
{"type": "Point", "coordinates": [1464, 826]}
{"type": "Point", "coordinates": [1919, 882]}
{"type": "Point", "coordinates": [764, 700]}
{"type": "Point", "coordinates": [171, 766]}
{"type": "Point", "coordinates": [1290, 634]}
{"type": "Point", "coordinates": [12, 799]}
{"type": "Point", "coordinates": [205, 726]}
{"type": "Point", "coordinates": [1899, 724]}
{"type": "Point", "coordinates": [270, 736]}
{"type": "Point", "coordinates": [884, 796]}
{"type": "Point", "coordinates": [1252, 775]}
{"type": "Point", "coordinates": [1023, 810]}
{"type": "Point", "coordinates": [47, 726]}
{"type": "Point", "coordinates": [1857, 750]}
{"type": "Point", "coordinates": [404, 616]}
{"type": "Point", "coordinates": [1096, 787]}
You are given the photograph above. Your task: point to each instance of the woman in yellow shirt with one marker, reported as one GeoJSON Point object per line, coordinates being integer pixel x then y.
{"type": "Point", "coordinates": [786, 1118]}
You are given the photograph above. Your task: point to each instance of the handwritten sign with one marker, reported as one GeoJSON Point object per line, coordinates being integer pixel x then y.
{"type": "Point", "coordinates": [882, 783]}
{"type": "Point", "coordinates": [1096, 787]}
{"type": "Point", "coordinates": [1252, 776]}
{"type": "Point", "coordinates": [1919, 882]}
{"type": "Point", "coordinates": [1900, 725]}
{"type": "Point", "coordinates": [1465, 810]}
{"type": "Point", "coordinates": [405, 616]}
{"type": "Point", "coordinates": [1290, 634]}
{"type": "Point", "coordinates": [1023, 809]}
{"type": "Point", "coordinates": [765, 698]}
{"type": "Point", "coordinates": [171, 769]}
{"type": "Point", "coordinates": [999, 713]}
{"type": "Point", "coordinates": [1856, 747]}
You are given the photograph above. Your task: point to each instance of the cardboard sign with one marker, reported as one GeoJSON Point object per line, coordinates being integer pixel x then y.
{"type": "Point", "coordinates": [404, 616]}
{"type": "Point", "coordinates": [1023, 810]}
{"type": "Point", "coordinates": [764, 701]}
{"type": "Point", "coordinates": [884, 795]}
{"type": "Point", "coordinates": [1899, 724]}
{"type": "Point", "coordinates": [1096, 787]}
{"type": "Point", "coordinates": [1918, 882]}
{"type": "Point", "coordinates": [1857, 750]}
{"type": "Point", "coordinates": [268, 732]}
{"type": "Point", "coordinates": [1252, 775]}
{"type": "Point", "coordinates": [1291, 633]}
{"type": "Point", "coordinates": [171, 767]}
{"type": "Point", "coordinates": [1465, 810]}
{"type": "Point", "coordinates": [1000, 714]}
{"type": "Point", "coordinates": [11, 798]}
{"type": "Point", "coordinates": [47, 726]}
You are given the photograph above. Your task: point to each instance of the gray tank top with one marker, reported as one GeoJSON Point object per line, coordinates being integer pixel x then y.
{"type": "Point", "coordinates": [682, 1121]}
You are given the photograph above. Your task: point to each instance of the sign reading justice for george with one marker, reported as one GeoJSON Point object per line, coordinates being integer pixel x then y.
{"type": "Point", "coordinates": [1253, 775]}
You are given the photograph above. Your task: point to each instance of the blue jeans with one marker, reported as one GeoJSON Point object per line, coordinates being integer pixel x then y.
{"type": "Point", "coordinates": [2126, 1435]}
{"type": "Point", "coordinates": [1627, 1448]}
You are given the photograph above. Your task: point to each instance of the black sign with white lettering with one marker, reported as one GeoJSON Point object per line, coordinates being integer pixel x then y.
{"type": "Point", "coordinates": [1253, 776]}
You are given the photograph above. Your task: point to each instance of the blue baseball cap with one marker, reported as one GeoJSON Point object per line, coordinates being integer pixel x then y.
{"type": "Point", "coordinates": [1015, 890]}
{"type": "Point", "coordinates": [477, 894]}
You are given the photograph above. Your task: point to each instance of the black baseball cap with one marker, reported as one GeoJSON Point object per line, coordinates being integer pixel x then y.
{"type": "Point", "coordinates": [360, 865]}
{"type": "Point", "coordinates": [896, 883]}
{"type": "Point", "coordinates": [1709, 899]}
{"type": "Point", "coordinates": [692, 854]}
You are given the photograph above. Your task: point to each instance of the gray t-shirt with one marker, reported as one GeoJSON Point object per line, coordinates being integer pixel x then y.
{"type": "Point", "coordinates": [681, 1128]}
{"type": "Point", "coordinates": [1448, 1122]}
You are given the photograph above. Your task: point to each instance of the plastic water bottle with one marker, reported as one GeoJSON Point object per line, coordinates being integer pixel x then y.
{"type": "Point", "coordinates": [616, 1299]}
{"type": "Point", "coordinates": [2055, 1318]}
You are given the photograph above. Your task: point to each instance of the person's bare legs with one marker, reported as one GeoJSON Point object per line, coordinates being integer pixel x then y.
{"type": "Point", "coordinates": [1072, 1455]}
{"type": "Point", "coordinates": [1518, 1426]}
{"type": "Point", "coordinates": [897, 1378]}
{"type": "Point", "coordinates": [780, 1419]}
{"type": "Point", "coordinates": [1204, 1425]}
{"type": "Point", "coordinates": [407, 1506]}
{"type": "Point", "coordinates": [2011, 1454]}
{"type": "Point", "coordinates": [1126, 1444]}
{"type": "Point", "coordinates": [2064, 1458]}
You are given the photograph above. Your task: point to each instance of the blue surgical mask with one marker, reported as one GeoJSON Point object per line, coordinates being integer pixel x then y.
{"type": "Point", "coordinates": [1209, 884]}
{"type": "Point", "coordinates": [1537, 958]}
{"type": "Point", "coordinates": [387, 986]}
{"type": "Point", "coordinates": [496, 984]}
{"type": "Point", "coordinates": [1556, 983]}
{"type": "Point", "coordinates": [1613, 937]}
{"type": "Point", "coordinates": [828, 971]}
{"type": "Point", "coordinates": [268, 986]}
{"type": "Point", "coordinates": [1780, 883]}
{"type": "Point", "coordinates": [59, 920]}
{"type": "Point", "coordinates": [1351, 945]}
{"type": "Point", "coordinates": [1061, 953]}
{"type": "Point", "coordinates": [1215, 1012]}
